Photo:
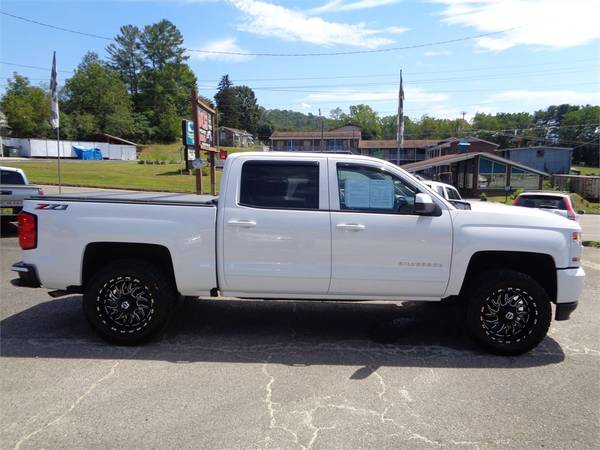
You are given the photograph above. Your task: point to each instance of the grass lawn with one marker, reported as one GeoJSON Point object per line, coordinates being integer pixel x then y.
{"type": "Point", "coordinates": [579, 203]}
{"type": "Point", "coordinates": [120, 175]}
{"type": "Point", "coordinates": [587, 170]}
{"type": "Point", "coordinates": [172, 152]}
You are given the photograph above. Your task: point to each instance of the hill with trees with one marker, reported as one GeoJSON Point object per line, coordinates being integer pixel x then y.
{"type": "Point", "coordinates": [141, 91]}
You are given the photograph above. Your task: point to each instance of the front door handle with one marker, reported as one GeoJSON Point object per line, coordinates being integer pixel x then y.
{"type": "Point", "coordinates": [351, 226]}
{"type": "Point", "coordinates": [242, 223]}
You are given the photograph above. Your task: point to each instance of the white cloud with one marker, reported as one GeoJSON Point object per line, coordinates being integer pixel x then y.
{"type": "Point", "coordinates": [414, 95]}
{"type": "Point", "coordinates": [528, 97]}
{"type": "Point", "coordinates": [438, 53]}
{"type": "Point", "coordinates": [543, 23]}
{"type": "Point", "coordinates": [344, 5]}
{"type": "Point", "coordinates": [267, 19]}
{"type": "Point", "coordinates": [224, 45]}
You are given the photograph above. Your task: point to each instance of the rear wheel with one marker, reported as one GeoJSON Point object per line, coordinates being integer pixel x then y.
{"type": "Point", "coordinates": [508, 312]}
{"type": "Point", "coordinates": [128, 301]}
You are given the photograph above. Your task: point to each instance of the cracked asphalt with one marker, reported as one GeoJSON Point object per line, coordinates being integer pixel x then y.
{"type": "Point", "coordinates": [294, 375]}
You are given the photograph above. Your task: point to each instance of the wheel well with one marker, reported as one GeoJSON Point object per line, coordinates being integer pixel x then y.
{"type": "Point", "coordinates": [538, 266]}
{"type": "Point", "coordinates": [99, 254]}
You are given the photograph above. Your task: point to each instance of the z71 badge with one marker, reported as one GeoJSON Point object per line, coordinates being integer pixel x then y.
{"type": "Point", "coordinates": [53, 206]}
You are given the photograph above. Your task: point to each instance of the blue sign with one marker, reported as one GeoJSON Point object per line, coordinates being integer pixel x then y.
{"type": "Point", "coordinates": [188, 138]}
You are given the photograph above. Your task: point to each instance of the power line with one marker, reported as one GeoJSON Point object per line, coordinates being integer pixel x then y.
{"type": "Point", "coordinates": [32, 67]}
{"type": "Point", "coordinates": [216, 52]}
{"type": "Point", "coordinates": [67, 30]}
{"type": "Point", "coordinates": [395, 75]}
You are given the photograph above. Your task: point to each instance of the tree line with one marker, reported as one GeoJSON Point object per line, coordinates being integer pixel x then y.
{"type": "Point", "coordinates": [141, 91]}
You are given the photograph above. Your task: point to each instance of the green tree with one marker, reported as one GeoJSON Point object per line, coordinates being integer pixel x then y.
{"type": "Point", "coordinates": [96, 91]}
{"type": "Point", "coordinates": [27, 108]}
{"type": "Point", "coordinates": [264, 132]}
{"type": "Point", "coordinates": [125, 56]}
{"type": "Point", "coordinates": [227, 104]}
{"type": "Point", "coordinates": [162, 44]}
{"type": "Point", "coordinates": [248, 108]}
{"type": "Point", "coordinates": [367, 119]}
{"type": "Point", "coordinates": [580, 129]}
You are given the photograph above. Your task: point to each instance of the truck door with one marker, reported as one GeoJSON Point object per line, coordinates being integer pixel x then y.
{"type": "Point", "coordinates": [380, 246]}
{"type": "Point", "coordinates": [275, 230]}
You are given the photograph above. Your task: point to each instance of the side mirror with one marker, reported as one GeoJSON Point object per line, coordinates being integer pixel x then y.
{"type": "Point", "coordinates": [424, 204]}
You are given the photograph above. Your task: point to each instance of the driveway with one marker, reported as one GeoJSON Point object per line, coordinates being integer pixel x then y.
{"type": "Point", "coordinates": [294, 375]}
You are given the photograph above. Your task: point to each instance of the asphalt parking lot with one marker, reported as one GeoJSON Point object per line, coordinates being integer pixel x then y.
{"type": "Point", "coordinates": [292, 375]}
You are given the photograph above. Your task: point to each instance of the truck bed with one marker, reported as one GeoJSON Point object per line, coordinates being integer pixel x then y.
{"type": "Point", "coordinates": [183, 224]}
{"type": "Point", "coordinates": [150, 198]}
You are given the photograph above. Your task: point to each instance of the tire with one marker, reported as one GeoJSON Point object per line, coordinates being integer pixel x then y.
{"type": "Point", "coordinates": [508, 312]}
{"type": "Point", "coordinates": [128, 302]}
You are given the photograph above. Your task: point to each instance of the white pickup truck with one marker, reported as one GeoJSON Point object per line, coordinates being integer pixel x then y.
{"type": "Point", "coordinates": [309, 227]}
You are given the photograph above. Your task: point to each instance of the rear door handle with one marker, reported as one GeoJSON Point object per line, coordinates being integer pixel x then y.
{"type": "Point", "coordinates": [242, 223]}
{"type": "Point", "coordinates": [351, 226]}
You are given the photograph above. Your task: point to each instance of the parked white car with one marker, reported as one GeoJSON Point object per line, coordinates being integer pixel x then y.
{"type": "Point", "coordinates": [14, 188]}
{"type": "Point", "coordinates": [447, 191]}
{"type": "Point", "coordinates": [303, 226]}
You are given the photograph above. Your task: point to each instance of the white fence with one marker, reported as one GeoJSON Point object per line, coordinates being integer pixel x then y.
{"type": "Point", "coordinates": [46, 148]}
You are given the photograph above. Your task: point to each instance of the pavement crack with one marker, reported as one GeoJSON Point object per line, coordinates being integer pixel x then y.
{"type": "Point", "coordinates": [271, 405]}
{"type": "Point", "coordinates": [73, 405]}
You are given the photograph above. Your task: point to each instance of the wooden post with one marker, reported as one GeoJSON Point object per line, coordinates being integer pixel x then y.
{"type": "Point", "coordinates": [196, 140]}
{"type": "Point", "coordinates": [213, 175]}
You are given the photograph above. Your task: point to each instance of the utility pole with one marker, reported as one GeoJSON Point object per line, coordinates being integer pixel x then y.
{"type": "Point", "coordinates": [462, 124]}
{"type": "Point", "coordinates": [321, 118]}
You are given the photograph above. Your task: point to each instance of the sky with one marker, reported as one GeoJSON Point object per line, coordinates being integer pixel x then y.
{"type": "Point", "coordinates": [456, 55]}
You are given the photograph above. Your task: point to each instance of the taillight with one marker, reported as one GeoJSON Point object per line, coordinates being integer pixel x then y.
{"type": "Point", "coordinates": [40, 192]}
{"type": "Point", "coordinates": [27, 230]}
{"type": "Point", "coordinates": [514, 202]}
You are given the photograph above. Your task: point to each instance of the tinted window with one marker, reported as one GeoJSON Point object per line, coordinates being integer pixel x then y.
{"type": "Point", "coordinates": [363, 188]}
{"type": "Point", "coordinates": [453, 194]}
{"type": "Point", "coordinates": [542, 201]}
{"type": "Point", "coordinates": [272, 184]}
{"type": "Point", "coordinates": [10, 177]}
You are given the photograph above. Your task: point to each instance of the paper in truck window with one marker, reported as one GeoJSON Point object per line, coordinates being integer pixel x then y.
{"type": "Point", "coordinates": [381, 195]}
{"type": "Point", "coordinates": [356, 194]}
{"type": "Point", "coordinates": [369, 194]}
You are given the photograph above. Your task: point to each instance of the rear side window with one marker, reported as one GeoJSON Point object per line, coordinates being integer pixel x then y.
{"type": "Point", "coordinates": [10, 177]}
{"type": "Point", "coordinates": [542, 201]}
{"type": "Point", "coordinates": [281, 185]}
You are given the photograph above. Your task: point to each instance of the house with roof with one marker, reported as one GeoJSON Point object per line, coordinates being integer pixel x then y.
{"type": "Point", "coordinates": [233, 137]}
{"type": "Point", "coordinates": [475, 172]}
{"type": "Point", "coordinates": [412, 150]}
{"type": "Point", "coordinates": [554, 160]}
{"type": "Point", "coordinates": [344, 140]}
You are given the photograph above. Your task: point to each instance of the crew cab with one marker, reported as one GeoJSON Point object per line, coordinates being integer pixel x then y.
{"type": "Point", "coordinates": [308, 227]}
{"type": "Point", "coordinates": [14, 187]}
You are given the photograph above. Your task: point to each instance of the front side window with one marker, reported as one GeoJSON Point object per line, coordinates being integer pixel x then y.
{"type": "Point", "coordinates": [368, 189]}
{"type": "Point", "coordinates": [280, 185]}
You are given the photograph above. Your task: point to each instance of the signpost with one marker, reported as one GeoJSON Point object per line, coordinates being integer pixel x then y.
{"type": "Point", "coordinates": [201, 133]}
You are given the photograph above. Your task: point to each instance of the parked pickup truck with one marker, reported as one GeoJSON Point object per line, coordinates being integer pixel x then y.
{"type": "Point", "coordinates": [303, 226]}
{"type": "Point", "coordinates": [14, 187]}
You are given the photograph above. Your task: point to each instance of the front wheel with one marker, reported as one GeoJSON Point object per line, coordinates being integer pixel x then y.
{"type": "Point", "coordinates": [128, 301]}
{"type": "Point", "coordinates": [508, 312]}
